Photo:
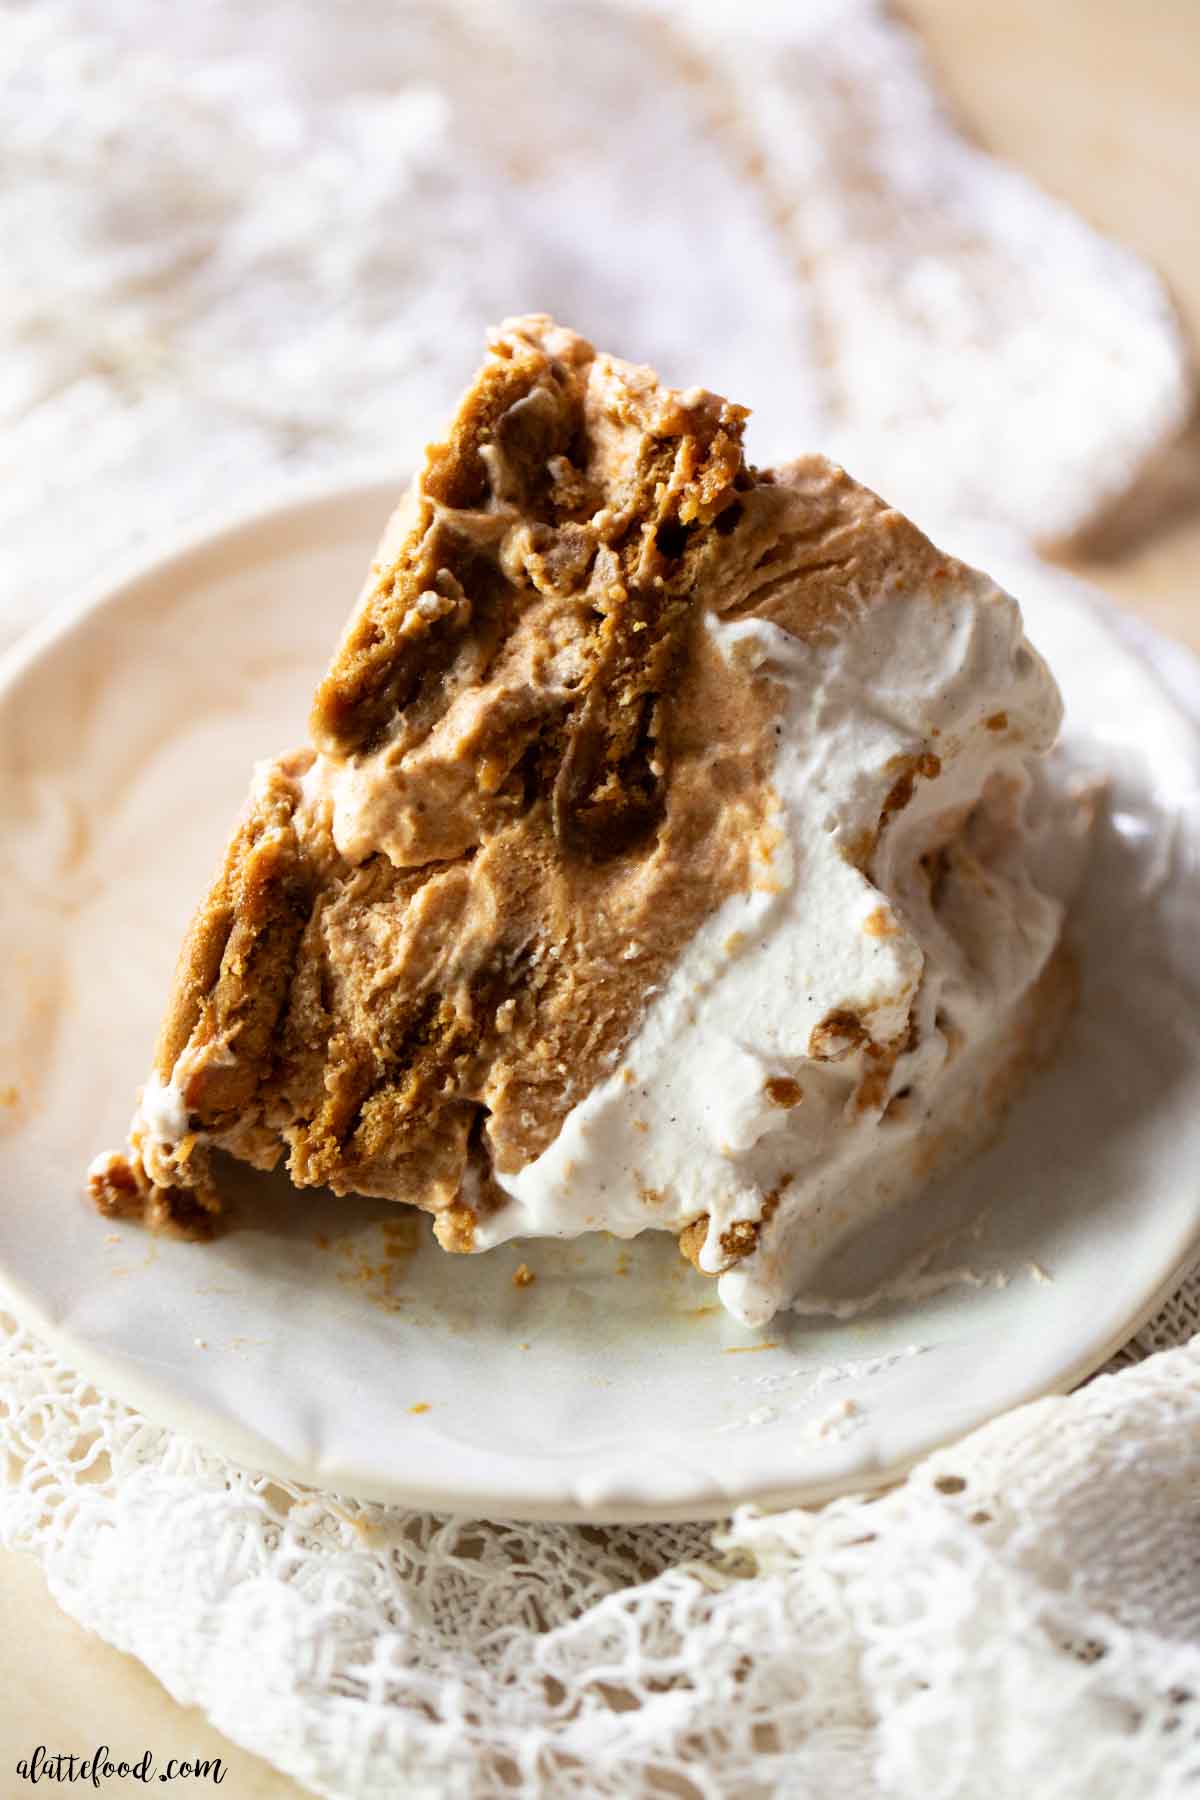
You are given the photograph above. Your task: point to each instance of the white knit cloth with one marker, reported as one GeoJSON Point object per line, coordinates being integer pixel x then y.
{"type": "Point", "coordinates": [269, 244]}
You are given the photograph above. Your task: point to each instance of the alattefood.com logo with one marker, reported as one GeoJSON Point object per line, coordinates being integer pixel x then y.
{"type": "Point", "coordinates": [103, 1766]}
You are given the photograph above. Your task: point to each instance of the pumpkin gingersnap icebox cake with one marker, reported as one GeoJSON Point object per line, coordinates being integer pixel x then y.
{"type": "Point", "coordinates": [675, 849]}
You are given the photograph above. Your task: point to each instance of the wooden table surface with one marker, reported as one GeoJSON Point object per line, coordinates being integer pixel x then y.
{"type": "Point", "coordinates": [1097, 99]}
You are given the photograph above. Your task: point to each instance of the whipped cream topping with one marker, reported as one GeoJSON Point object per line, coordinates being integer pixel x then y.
{"type": "Point", "coordinates": [163, 1109]}
{"type": "Point", "coordinates": [750, 1095]}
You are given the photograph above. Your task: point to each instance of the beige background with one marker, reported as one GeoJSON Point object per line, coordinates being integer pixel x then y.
{"type": "Point", "coordinates": [1099, 100]}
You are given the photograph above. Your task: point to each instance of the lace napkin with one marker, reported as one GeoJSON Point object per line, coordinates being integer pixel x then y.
{"type": "Point", "coordinates": [267, 246]}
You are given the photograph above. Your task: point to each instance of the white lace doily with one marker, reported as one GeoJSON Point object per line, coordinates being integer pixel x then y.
{"type": "Point", "coordinates": [1021, 1617]}
{"type": "Point", "coordinates": [269, 244]}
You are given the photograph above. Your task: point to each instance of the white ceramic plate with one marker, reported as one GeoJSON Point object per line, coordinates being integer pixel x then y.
{"type": "Point", "coordinates": [313, 1343]}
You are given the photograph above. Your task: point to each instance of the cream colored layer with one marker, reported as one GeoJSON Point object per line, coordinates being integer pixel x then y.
{"type": "Point", "coordinates": [749, 1096]}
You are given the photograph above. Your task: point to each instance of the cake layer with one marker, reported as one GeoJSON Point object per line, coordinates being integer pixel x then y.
{"type": "Point", "coordinates": [664, 836]}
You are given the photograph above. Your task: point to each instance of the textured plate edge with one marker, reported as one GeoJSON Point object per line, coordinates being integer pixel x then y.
{"type": "Point", "coordinates": [122, 1381]}
{"type": "Point", "coordinates": [203, 536]}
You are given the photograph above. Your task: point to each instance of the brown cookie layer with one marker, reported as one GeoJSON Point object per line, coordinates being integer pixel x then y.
{"type": "Point", "coordinates": [533, 776]}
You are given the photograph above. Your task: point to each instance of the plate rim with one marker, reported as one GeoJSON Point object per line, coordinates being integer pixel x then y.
{"type": "Point", "coordinates": [205, 533]}
{"type": "Point", "coordinates": [241, 1445]}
